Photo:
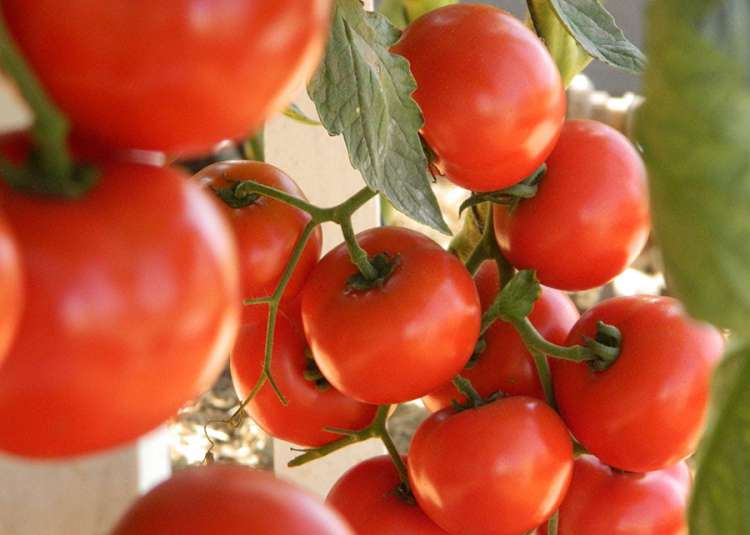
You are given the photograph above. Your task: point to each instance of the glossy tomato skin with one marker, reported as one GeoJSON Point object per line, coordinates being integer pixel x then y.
{"type": "Point", "coordinates": [601, 500]}
{"type": "Point", "coordinates": [491, 95]}
{"type": "Point", "coordinates": [230, 499]}
{"type": "Point", "coordinates": [309, 410]}
{"type": "Point", "coordinates": [366, 497]}
{"type": "Point", "coordinates": [135, 283]}
{"type": "Point", "coordinates": [645, 412]}
{"type": "Point", "coordinates": [174, 75]}
{"type": "Point", "coordinates": [402, 340]}
{"type": "Point", "coordinates": [505, 364]}
{"type": "Point", "coordinates": [11, 288]}
{"type": "Point", "coordinates": [501, 469]}
{"type": "Point", "coordinates": [590, 217]}
{"type": "Point", "coordinates": [266, 233]}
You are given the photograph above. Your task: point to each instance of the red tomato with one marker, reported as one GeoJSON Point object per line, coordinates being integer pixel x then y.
{"type": "Point", "coordinates": [501, 469]}
{"type": "Point", "coordinates": [367, 498]}
{"type": "Point", "coordinates": [589, 219]}
{"type": "Point", "coordinates": [601, 500]}
{"type": "Point", "coordinates": [396, 342]}
{"type": "Point", "coordinates": [266, 233]}
{"type": "Point", "coordinates": [11, 295]}
{"type": "Point", "coordinates": [505, 364]}
{"type": "Point", "coordinates": [646, 411]}
{"type": "Point", "coordinates": [491, 95]}
{"type": "Point", "coordinates": [229, 499]}
{"type": "Point", "coordinates": [310, 410]}
{"type": "Point", "coordinates": [131, 309]}
{"type": "Point", "coordinates": [172, 75]}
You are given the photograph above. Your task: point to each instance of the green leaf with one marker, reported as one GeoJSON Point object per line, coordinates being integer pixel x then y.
{"type": "Point", "coordinates": [721, 494]}
{"type": "Point", "coordinates": [595, 30]}
{"type": "Point", "coordinates": [364, 92]}
{"type": "Point", "coordinates": [395, 11]}
{"type": "Point", "coordinates": [295, 113]}
{"type": "Point", "coordinates": [519, 295]}
{"type": "Point", "coordinates": [569, 56]}
{"type": "Point", "coordinates": [695, 130]}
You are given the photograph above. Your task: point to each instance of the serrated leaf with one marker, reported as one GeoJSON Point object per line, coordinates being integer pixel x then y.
{"type": "Point", "coordinates": [519, 295]}
{"type": "Point", "coordinates": [695, 130]}
{"type": "Point", "coordinates": [721, 494]}
{"type": "Point", "coordinates": [569, 56]}
{"type": "Point", "coordinates": [595, 29]}
{"type": "Point", "coordinates": [364, 92]}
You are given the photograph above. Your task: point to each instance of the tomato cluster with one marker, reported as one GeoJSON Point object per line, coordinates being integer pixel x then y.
{"type": "Point", "coordinates": [118, 307]}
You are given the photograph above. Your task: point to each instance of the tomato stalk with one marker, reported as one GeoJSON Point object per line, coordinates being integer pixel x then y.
{"type": "Point", "coordinates": [52, 170]}
{"type": "Point", "coordinates": [377, 429]}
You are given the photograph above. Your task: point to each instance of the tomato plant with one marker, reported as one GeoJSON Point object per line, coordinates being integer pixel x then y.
{"type": "Point", "coordinates": [647, 411]}
{"type": "Point", "coordinates": [197, 500]}
{"type": "Point", "coordinates": [425, 312]}
{"type": "Point", "coordinates": [483, 61]}
{"type": "Point", "coordinates": [504, 363]}
{"type": "Point", "coordinates": [176, 76]}
{"type": "Point", "coordinates": [369, 498]}
{"type": "Point", "coordinates": [603, 500]}
{"type": "Point", "coordinates": [133, 284]}
{"type": "Point", "coordinates": [266, 231]}
{"type": "Point", "coordinates": [500, 469]}
{"type": "Point", "coordinates": [11, 295]}
{"type": "Point", "coordinates": [313, 404]}
{"type": "Point", "coordinates": [589, 219]}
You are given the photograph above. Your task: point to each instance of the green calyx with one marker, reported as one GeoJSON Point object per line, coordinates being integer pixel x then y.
{"type": "Point", "coordinates": [385, 266]}
{"type": "Point", "coordinates": [510, 196]}
{"type": "Point", "coordinates": [605, 346]}
{"type": "Point", "coordinates": [313, 374]}
{"type": "Point", "coordinates": [473, 399]}
{"type": "Point", "coordinates": [233, 195]}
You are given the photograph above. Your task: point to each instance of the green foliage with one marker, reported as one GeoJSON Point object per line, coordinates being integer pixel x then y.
{"type": "Point", "coordinates": [519, 295]}
{"type": "Point", "coordinates": [364, 92]}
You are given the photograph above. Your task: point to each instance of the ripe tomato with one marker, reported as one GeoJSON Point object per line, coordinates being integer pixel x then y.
{"type": "Point", "coordinates": [491, 95]}
{"type": "Point", "coordinates": [505, 364]}
{"type": "Point", "coordinates": [135, 283]}
{"type": "Point", "coordinates": [310, 409]}
{"type": "Point", "coordinates": [11, 295]}
{"type": "Point", "coordinates": [500, 469]}
{"type": "Point", "coordinates": [401, 340]}
{"type": "Point", "coordinates": [646, 411]}
{"type": "Point", "coordinates": [173, 75]}
{"type": "Point", "coordinates": [589, 219]}
{"type": "Point", "coordinates": [229, 499]}
{"type": "Point", "coordinates": [601, 500]}
{"type": "Point", "coordinates": [266, 232]}
{"type": "Point", "coordinates": [367, 497]}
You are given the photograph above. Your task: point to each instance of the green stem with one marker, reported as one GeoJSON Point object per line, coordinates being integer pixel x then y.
{"type": "Point", "coordinates": [534, 341]}
{"type": "Point", "coordinates": [552, 524]}
{"type": "Point", "coordinates": [248, 187]}
{"type": "Point", "coordinates": [484, 249]}
{"type": "Point", "coordinates": [545, 377]}
{"type": "Point", "coordinates": [357, 254]}
{"type": "Point", "coordinates": [382, 431]}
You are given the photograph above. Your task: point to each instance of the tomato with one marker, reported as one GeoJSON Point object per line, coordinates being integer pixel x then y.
{"type": "Point", "coordinates": [401, 340]}
{"type": "Point", "coordinates": [646, 411]}
{"type": "Point", "coordinates": [173, 75]}
{"type": "Point", "coordinates": [602, 500]}
{"type": "Point", "coordinates": [589, 219]}
{"type": "Point", "coordinates": [505, 364]}
{"type": "Point", "coordinates": [132, 306]}
{"type": "Point", "coordinates": [491, 95]}
{"type": "Point", "coordinates": [500, 469]}
{"type": "Point", "coordinates": [310, 409]}
{"type": "Point", "coordinates": [229, 499]}
{"type": "Point", "coordinates": [11, 295]}
{"type": "Point", "coordinates": [266, 232]}
{"type": "Point", "coordinates": [367, 497]}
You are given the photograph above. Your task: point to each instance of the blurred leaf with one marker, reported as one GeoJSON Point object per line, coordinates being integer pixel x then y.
{"type": "Point", "coordinates": [594, 28]}
{"type": "Point", "coordinates": [569, 56]}
{"type": "Point", "coordinates": [295, 113]}
{"type": "Point", "coordinates": [417, 8]}
{"type": "Point", "coordinates": [695, 129]}
{"type": "Point", "coordinates": [721, 495]}
{"type": "Point", "coordinates": [519, 295]}
{"type": "Point", "coordinates": [364, 92]}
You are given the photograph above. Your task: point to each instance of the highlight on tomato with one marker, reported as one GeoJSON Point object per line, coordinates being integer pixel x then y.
{"type": "Point", "coordinates": [174, 75]}
{"type": "Point", "coordinates": [266, 230]}
{"type": "Point", "coordinates": [134, 283]}
{"type": "Point", "coordinates": [491, 95]}
{"type": "Point", "coordinates": [231, 499]}
{"type": "Point", "coordinates": [11, 287]}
